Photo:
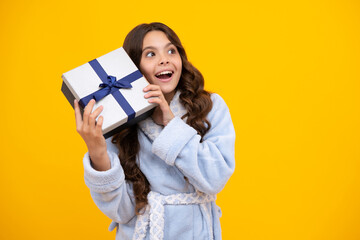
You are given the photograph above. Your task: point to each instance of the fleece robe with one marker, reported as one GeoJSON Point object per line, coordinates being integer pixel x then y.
{"type": "Point", "coordinates": [174, 161]}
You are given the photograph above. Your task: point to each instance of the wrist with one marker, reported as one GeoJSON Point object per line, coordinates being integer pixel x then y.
{"type": "Point", "coordinates": [166, 122]}
{"type": "Point", "coordinates": [100, 162]}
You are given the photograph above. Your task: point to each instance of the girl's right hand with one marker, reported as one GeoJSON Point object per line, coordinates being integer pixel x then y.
{"type": "Point", "coordinates": [91, 132]}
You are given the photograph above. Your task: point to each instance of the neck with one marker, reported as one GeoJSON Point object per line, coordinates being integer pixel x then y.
{"type": "Point", "coordinates": [169, 96]}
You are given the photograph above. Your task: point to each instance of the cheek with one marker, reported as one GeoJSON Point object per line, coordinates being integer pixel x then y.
{"type": "Point", "coordinates": [179, 63]}
{"type": "Point", "coordinates": [145, 70]}
{"type": "Point", "coordinates": [149, 80]}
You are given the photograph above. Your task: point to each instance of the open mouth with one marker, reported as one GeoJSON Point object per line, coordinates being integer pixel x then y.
{"type": "Point", "coordinates": [164, 75]}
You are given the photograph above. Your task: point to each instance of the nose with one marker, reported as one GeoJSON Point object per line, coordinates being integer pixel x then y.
{"type": "Point", "coordinates": [163, 60]}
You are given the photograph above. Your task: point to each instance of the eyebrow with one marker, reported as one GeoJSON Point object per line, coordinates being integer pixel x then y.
{"type": "Point", "coordinates": [151, 47]}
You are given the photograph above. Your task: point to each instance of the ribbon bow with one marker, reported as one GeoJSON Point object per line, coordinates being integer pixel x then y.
{"type": "Point", "coordinates": [111, 86]}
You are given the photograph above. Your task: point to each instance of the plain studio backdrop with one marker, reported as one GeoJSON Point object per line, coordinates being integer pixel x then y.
{"type": "Point", "coordinates": [288, 70]}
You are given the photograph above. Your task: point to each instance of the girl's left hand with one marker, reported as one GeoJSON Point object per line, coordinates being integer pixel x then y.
{"type": "Point", "coordinates": [162, 114]}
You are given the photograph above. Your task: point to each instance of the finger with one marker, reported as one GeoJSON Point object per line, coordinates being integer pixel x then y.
{"type": "Point", "coordinates": [87, 111]}
{"type": "Point", "coordinates": [78, 118]}
{"type": "Point", "coordinates": [147, 88]}
{"type": "Point", "coordinates": [163, 104]}
{"type": "Point", "coordinates": [99, 124]}
{"type": "Point", "coordinates": [151, 87]}
{"type": "Point", "coordinates": [94, 115]}
{"type": "Point", "coordinates": [154, 94]}
{"type": "Point", "coordinates": [158, 101]}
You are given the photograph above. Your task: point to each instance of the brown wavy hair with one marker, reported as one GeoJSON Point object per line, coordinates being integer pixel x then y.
{"type": "Point", "coordinates": [195, 99]}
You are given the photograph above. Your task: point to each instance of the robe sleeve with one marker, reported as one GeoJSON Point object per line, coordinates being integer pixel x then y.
{"type": "Point", "coordinates": [208, 164]}
{"type": "Point", "coordinates": [109, 190]}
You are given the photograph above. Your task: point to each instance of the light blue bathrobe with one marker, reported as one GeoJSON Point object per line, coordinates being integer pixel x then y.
{"type": "Point", "coordinates": [165, 160]}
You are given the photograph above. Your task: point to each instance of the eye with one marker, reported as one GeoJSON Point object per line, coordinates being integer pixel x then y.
{"type": "Point", "coordinates": [171, 51]}
{"type": "Point", "coordinates": [150, 54]}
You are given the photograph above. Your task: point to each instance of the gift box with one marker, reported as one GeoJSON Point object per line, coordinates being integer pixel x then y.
{"type": "Point", "coordinates": [113, 81]}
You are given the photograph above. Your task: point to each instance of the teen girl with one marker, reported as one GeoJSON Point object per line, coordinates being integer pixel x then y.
{"type": "Point", "coordinates": [159, 178]}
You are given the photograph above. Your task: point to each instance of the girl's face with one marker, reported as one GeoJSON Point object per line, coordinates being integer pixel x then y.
{"type": "Point", "coordinates": [161, 62]}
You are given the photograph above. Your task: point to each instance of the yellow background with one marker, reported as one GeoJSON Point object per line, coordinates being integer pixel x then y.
{"type": "Point", "coordinates": [288, 70]}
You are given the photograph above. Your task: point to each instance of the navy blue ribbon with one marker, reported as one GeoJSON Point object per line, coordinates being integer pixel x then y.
{"type": "Point", "coordinates": [111, 86]}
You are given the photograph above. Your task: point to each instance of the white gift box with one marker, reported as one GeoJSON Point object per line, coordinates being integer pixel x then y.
{"type": "Point", "coordinates": [123, 107]}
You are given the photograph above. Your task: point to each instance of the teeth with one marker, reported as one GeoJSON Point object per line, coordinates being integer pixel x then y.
{"type": "Point", "coordinates": [164, 72]}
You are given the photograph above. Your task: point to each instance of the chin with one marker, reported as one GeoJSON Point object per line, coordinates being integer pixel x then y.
{"type": "Point", "coordinates": [167, 90]}
{"type": "Point", "coordinates": [168, 87]}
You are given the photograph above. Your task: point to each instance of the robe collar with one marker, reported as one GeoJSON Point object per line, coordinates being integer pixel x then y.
{"type": "Point", "coordinates": [151, 129]}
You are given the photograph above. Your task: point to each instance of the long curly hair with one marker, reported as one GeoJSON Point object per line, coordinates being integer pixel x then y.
{"type": "Point", "coordinates": [195, 99]}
